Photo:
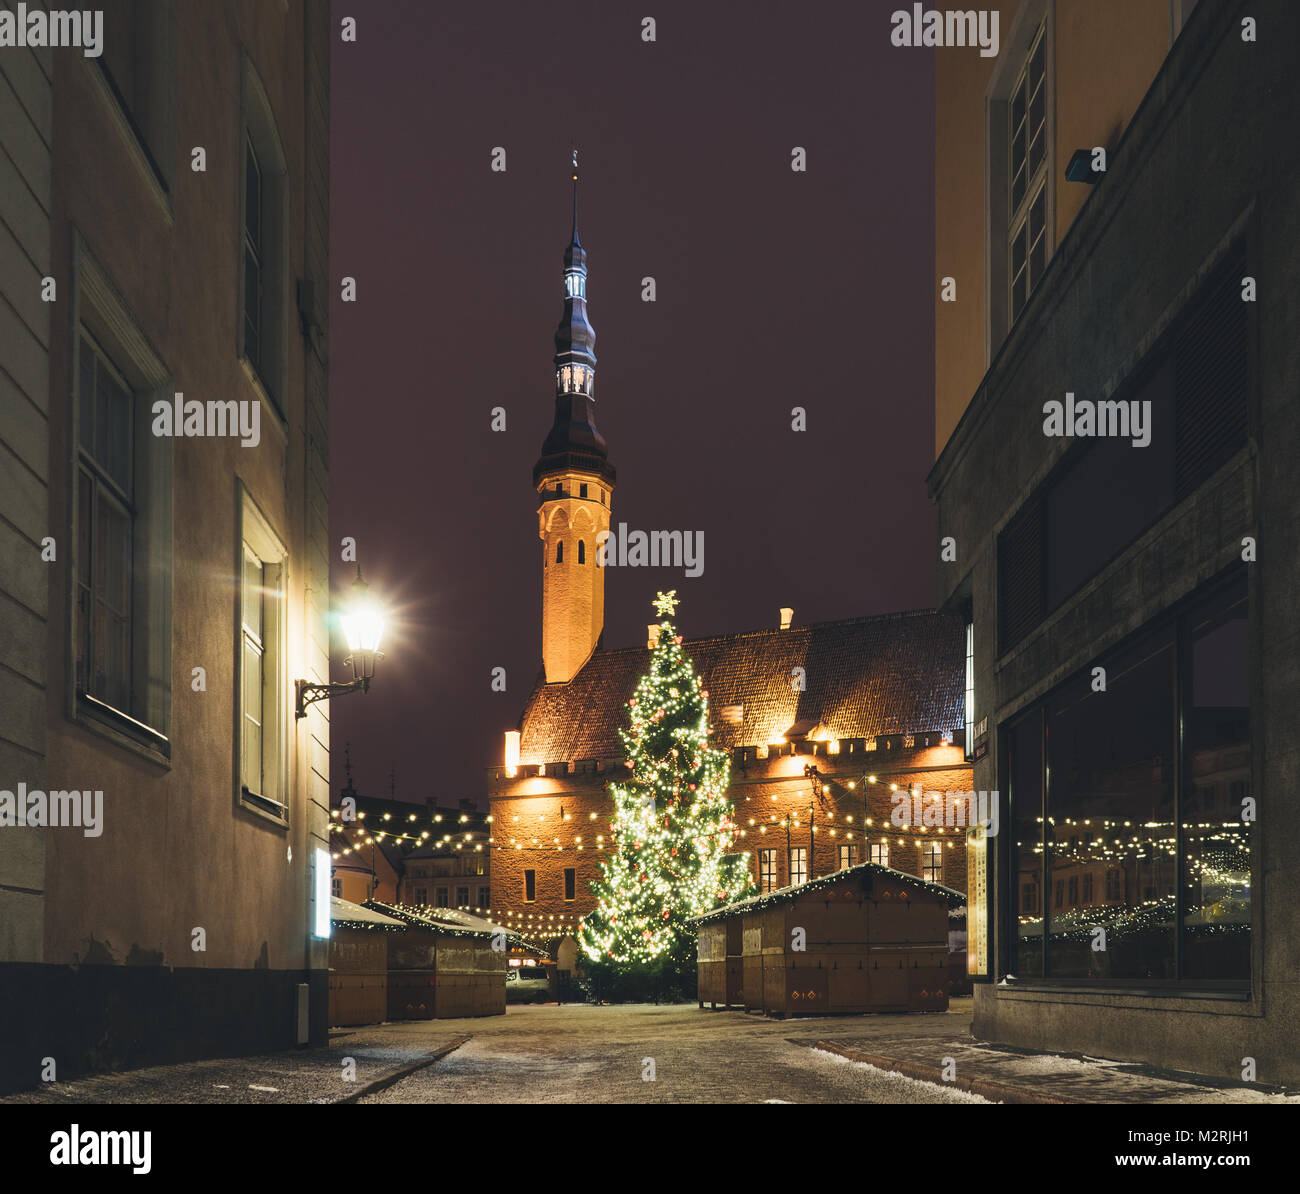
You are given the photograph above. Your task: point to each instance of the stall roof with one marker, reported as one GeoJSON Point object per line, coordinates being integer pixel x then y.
{"type": "Point", "coordinates": [780, 896]}
{"type": "Point", "coordinates": [450, 921]}
{"type": "Point", "coordinates": [347, 915]}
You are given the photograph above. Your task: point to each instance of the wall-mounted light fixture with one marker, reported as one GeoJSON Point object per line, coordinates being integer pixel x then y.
{"type": "Point", "coordinates": [363, 626]}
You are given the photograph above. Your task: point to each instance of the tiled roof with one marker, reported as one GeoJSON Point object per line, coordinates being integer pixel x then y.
{"type": "Point", "coordinates": [890, 674]}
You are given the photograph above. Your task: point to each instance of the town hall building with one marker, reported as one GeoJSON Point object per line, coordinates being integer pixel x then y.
{"type": "Point", "coordinates": [826, 724]}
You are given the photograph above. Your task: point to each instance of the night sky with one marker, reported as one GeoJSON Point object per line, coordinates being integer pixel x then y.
{"type": "Point", "coordinates": [774, 289]}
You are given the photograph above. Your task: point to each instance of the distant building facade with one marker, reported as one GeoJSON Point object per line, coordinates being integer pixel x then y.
{"type": "Point", "coordinates": [826, 725]}
{"type": "Point", "coordinates": [164, 211]}
{"type": "Point", "coordinates": [1130, 603]}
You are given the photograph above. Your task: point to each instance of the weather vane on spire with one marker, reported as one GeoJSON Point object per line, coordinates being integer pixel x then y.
{"type": "Point", "coordinates": [575, 163]}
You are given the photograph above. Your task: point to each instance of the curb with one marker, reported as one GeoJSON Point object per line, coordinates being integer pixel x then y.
{"type": "Point", "coordinates": [378, 1084]}
{"type": "Point", "coordinates": [995, 1091]}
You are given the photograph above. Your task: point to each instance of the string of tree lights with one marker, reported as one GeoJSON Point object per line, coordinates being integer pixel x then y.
{"type": "Point", "coordinates": [673, 825]}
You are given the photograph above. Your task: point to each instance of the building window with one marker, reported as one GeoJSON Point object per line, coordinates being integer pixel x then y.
{"type": "Point", "coordinates": [530, 886]}
{"type": "Point", "coordinates": [138, 69]}
{"type": "Point", "coordinates": [119, 615]}
{"type": "Point", "coordinates": [262, 675]}
{"type": "Point", "coordinates": [559, 552]}
{"type": "Point", "coordinates": [336, 888]}
{"type": "Point", "coordinates": [107, 531]}
{"type": "Point", "coordinates": [570, 883]}
{"type": "Point", "coordinates": [1103, 495]}
{"type": "Point", "coordinates": [970, 689]}
{"type": "Point", "coordinates": [475, 864]}
{"type": "Point", "coordinates": [1087, 888]}
{"type": "Point", "coordinates": [932, 862]}
{"type": "Point", "coordinates": [1027, 234]}
{"type": "Point", "coordinates": [462, 897]}
{"type": "Point", "coordinates": [1176, 705]}
{"type": "Point", "coordinates": [582, 552]}
{"type": "Point", "coordinates": [880, 853]}
{"type": "Point", "coordinates": [264, 220]}
{"type": "Point", "coordinates": [848, 856]}
{"type": "Point", "coordinates": [798, 865]}
{"type": "Point", "coordinates": [440, 897]}
{"type": "Point", "coordinates": [1028, 898]}
{"type": "Point", "coordinates": [421, 896]}
{"type": "Point", "coordinates": [484, 897]}
{"type": "Point", "coordinates": [582, 492]}
{"type": "Point", "coordinates": [766, 870]}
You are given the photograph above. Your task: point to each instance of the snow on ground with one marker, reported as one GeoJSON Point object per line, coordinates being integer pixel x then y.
{"type": "Point", "coordinates": [904, 1084]}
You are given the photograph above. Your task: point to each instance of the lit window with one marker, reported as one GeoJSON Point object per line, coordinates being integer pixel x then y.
{"type": "Point", "coordinates": [262, 683]}
{"type": "Point", "coordinates": [970, 689]}
{"type": "Point", "coordinates": [880, 853]}
{"type": "Point", "coordinates": [798, 865]}
{"type": "Point", "coordinates": [932, 862]}
{"type": "Point", "coordinates": [767, 870]}
{"type": "Point", "coordinates": [848, 856]}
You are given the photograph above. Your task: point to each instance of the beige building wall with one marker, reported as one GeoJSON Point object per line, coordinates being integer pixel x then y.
{"type": "Point", "coordinates": [573, 593]}
{"type": "Point", "coordinates": [26, 134]}
{"type": "Point", "coordinates": [1102, 57]}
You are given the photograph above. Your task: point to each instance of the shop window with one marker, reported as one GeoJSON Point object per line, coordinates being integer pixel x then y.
{"type": "Point", "coordinates": [1176, 703]}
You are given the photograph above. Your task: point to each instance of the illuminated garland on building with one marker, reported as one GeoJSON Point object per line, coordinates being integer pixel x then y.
{"type": "Point", "coordinates": [673, 824]}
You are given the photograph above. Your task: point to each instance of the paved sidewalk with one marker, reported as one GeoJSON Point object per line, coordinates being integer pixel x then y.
{"type": "Point", "coordinates": [383, 1054]}
{"type": "Point", "coordinates": [1013, 1076]}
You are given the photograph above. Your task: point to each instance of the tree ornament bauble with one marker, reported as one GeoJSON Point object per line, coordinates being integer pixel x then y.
{"type": "Point", "coordinates": [674, 851]}
{"type": "Point", "coordinates": [665, 914]}
{"type": "Point", "coordinates": [678, 640]}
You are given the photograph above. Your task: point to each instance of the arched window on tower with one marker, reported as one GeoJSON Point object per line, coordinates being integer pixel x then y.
{"type": "Point", "coordinates": [582, 552]}
{"type": "Point", "coordinates": [559, 552]}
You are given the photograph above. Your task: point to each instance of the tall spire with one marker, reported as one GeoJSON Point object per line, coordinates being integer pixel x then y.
{"type": "Point", "coordinates": [574, 442]}
{"type": "Point", "coordinates": [575, 195]}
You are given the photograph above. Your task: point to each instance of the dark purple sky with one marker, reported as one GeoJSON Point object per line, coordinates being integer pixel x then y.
{"type": "Point", "coordinates": [775, 289]}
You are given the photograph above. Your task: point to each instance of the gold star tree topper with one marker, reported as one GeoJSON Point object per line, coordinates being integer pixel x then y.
{"type": "Point", "coordinates": [666, 603]}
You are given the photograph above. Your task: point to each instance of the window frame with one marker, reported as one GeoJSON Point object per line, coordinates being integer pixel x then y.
{"type": "Point", "coordinates": [932, 871]}
{"type": "Point", "coordinates": [768, 879]}
{"type": "Point", "coordinates": [802, 869]}
{"type": "Point", "coordinates": [258, 127]}
{"type": "Point", "coordinates": [1034, 18]}
{"type": "Point", "coordinates": [255, 534]}
{"type": "Point", "coordinates": [98, 313]}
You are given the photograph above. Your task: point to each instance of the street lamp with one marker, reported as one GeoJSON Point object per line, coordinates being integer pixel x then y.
{"type": "Point", "coordinates": [363, 627]}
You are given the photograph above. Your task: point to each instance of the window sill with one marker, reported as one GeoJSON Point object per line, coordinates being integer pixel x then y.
{"type": "Point", "coordinates": [264, 807]}
{"type": "Point", "coordinates": [1138, 995]}
{"type": "Point", "coordinates": [122, 729]}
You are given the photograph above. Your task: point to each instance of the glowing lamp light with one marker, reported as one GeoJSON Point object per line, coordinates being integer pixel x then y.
{"type": "Point", "coordinates": [363, 628]}
{"type": "Point", "coordinates": [512, 753]}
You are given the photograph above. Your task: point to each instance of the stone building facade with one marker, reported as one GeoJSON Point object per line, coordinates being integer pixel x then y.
{"type": "Point", "coordinates": [824, 723]}
{"type": "Point", "coordinates": [165, 210]}
{"type": "Point", "coordinates": [1135, 659]}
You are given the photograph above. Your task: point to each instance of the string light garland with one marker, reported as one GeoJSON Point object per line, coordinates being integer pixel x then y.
{"type": "Point", "coordinates": [673, 826]}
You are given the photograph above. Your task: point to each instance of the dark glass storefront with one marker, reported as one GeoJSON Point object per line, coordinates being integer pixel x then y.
{"type": "Point", "coordinates": [1131, 810]}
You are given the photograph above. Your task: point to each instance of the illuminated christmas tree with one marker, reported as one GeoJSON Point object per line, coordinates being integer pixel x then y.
{"type": "Point", "coordinates": [673, 824]}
